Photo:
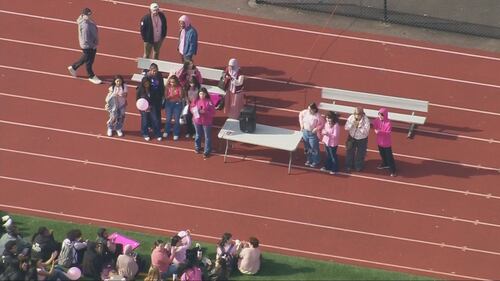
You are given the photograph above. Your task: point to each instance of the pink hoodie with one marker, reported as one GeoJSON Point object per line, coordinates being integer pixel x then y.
{"type": "Point", "coordinates": [383, 129]}
{"type": "Point", "coordinates": [207, 117]}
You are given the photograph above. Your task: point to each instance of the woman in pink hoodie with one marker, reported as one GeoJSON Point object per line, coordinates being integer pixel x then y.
{"type": "Point", "coordinates": [203, 114]}
{"type": "Point", "coordinates": [383, 129]}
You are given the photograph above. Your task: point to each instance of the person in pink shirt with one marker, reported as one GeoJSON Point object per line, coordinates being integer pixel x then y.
{"type": "Point", "coordinates": [311, 123]}
{"type": "Point", "coordinates": [330, 137]}
{"type": "Point", "coordinates": [161, 258]}
{"type": "Point", "coordinates": [203, 114]}
{"type": "Point", "coordinates": [192, 271]}
{"type": "Point", "coordinates": [383, 129]}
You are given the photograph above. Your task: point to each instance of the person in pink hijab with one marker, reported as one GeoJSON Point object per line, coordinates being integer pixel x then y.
{"type": "Point", "coordinates": [188, 39]}
{"type": "Point", "coordinates": [383, 129]}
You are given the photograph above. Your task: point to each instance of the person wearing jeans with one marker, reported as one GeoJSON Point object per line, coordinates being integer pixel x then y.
{"type": "Point", "coordinates": [358, 126]}
{"type": "Point", "coordinates": [203, 114]}
{"type": "Point", "coordinates": [330, 137]}
{"type": "Point", "coordinates": [311, 123]}
{"type": "Point", "coordinates": [88, 39]}
{"type": "Point", "coordinates": [174, 96]}
{"type": "Point", "coordinates": [148, 116]}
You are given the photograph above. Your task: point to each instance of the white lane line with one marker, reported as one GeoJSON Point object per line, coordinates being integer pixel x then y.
{"type": "Point", "coordinates": [370, 150]}
{"type": "Point", "coordinates": [291, 250]}
{"type": "Point", "coordinates": [259, 217]}
{"type": "Point", "coordinates": [251, 77]}
{"type": "Point", "coordinates": [264, 106]}
{"type": "Point", "coordinates": [409, 73]}
{"type": "Point", "coordinates": [336, 35]}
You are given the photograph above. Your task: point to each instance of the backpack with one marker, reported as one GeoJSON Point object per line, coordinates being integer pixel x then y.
{"type": "Point", "coordinates": [228, 257]}
{"type": "Point", "coordinates": [66, 255]}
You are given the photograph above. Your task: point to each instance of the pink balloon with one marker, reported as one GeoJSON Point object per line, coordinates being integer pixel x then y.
{"type": "Point", "coordinates": [74, 273]}
{"type": "Point", "coordinates": [142, 104]}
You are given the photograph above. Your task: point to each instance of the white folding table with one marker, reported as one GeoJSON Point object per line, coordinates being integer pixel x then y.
{"type": "Point", "coordinates": [268, 136]}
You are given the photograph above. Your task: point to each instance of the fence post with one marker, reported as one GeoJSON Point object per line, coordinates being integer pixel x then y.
{"type": "Point", "coordinates": [385, 11]}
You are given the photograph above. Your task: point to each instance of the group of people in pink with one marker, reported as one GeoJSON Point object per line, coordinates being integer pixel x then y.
{"type": "Point", "coordinates": [316, 127]}
{"type": "Point", "coordinates": [182, 98]}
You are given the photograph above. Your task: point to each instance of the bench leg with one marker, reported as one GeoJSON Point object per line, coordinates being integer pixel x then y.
{"type": "Point", "coordinates": [225, 152]}
{"type": "Point", "coordinates": [290, 163]}
{"type": "Point", "coordinates": [411, 131]}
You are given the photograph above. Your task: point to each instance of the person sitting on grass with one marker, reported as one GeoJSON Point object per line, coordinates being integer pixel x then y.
{"type": "Point", "coordinates": [43, 244]}
{"type": "Point", "coordinates": [70, 249]}
{"type": "Point", "coordinates": [93, 260]}
{"type": "Point", "coordinates": [250, 257]}
{"type": "Point", "coordinates": [161, 258]}
{"type": "Point", "coordinates": [126, 264]}
{"type": "Point", "coordinates": [191, 269]}
{"type": "Point", "coordinates": [153, 274]}
{"type": "Point", "coordinates": [179, 245]}
{"type": "Point", "coordinates": [54, 273]}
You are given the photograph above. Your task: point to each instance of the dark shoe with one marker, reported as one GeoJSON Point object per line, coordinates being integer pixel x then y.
{"type": "Point", "coordinates": [206, 155]}
{"type": "Point", "coordinates": [358, 169]}
{"type": "Point", "coordinates": [348, 171]}
{"type": "Point", "coordinates": [197, 151]}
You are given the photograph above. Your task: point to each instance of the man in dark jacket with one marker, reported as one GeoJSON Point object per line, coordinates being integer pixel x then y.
{"type": "Point", "coordinates": [153, 31]}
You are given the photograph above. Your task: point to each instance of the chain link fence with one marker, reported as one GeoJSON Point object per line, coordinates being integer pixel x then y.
{"type": "Point", "coordinates": [472, 17]}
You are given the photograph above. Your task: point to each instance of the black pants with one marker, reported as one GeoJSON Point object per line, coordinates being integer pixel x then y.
{"type": "Point", "coordinates": [387, 158]}
{"type": "Point", "coordinates": [87, 57]}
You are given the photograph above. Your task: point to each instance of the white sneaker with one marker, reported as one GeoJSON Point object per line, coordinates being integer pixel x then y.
{"type": "Point", "coordinates": [119, 133]}
{"type": "Point", "coordinates": [72, 71]}
{"type": "Point", "coordinates": [95, 80]}
{"type": "Point", "coordinates": [188, 136]}
{"type": "Point", "coordinates": [158, 138]}
{"type": "Point", "coordinates": [165, 135]}
{"type": "Point", "coordinates": [176, 138]}
{"type": "Point", "coordinates": [147, 138]}
{"type": "Point", "coordinates": [109, 132]}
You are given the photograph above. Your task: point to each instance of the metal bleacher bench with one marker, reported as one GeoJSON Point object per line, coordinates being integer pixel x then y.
{"type": "Point", "coordinates": [375, 100]}
{"type": "Point", "coordinates": [171, 67]}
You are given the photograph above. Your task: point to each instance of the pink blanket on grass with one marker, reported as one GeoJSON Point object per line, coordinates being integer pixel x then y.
{"type": "Point", "coordinates": [117, 238]}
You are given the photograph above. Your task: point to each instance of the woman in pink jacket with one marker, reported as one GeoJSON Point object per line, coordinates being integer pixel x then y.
{"type": "Point", "coordinates": [203, 114]}
{"type": "Point", "coordinates": [383, 129]}
{"type": "Point", "coordinates": [330, 137]}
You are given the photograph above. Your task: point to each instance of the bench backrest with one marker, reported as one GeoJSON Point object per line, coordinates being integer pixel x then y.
{"type": "Point", "coordinates": [172, 67]}
{"type": "Point", "coordinates": [373, 99]}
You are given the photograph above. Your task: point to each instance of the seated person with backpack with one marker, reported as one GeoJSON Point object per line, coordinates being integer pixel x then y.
{"type": "Point", "coordinates": [226, 250]}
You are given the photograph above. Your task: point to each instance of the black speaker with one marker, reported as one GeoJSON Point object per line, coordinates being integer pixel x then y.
{"type": "Point", "coordinates": [248, 119]}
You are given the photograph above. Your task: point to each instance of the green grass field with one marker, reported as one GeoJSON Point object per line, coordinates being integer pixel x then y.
{"type": "Point", "coordinates": [274, 266]}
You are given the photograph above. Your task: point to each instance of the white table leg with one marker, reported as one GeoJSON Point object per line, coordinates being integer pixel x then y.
{"type": "Point", "coordinates": [225, 153]}
{"type": "Point", "coordinates": [290, 163]}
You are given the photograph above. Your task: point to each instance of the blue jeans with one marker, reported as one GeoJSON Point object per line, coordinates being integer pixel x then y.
{"type": "Point", "coordinates": [147, 119]}
{"type": "Point", "coordinates": [203, 129]}
{"type": "Point", "coordinates": [332, 160]}
{"type": "Point", "coordinates": [175, 109]}
{"type": "Point", "coordinates": [311, 146]}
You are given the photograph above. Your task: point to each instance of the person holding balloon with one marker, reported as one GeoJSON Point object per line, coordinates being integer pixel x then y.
{"type": "Point", "coordinates": [147, 110]}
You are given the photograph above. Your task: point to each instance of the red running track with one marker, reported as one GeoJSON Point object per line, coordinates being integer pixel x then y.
{"type": "Point", "coordinates": [437, 218]}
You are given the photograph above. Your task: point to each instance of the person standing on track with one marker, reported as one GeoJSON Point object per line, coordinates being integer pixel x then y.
{"type": "Point", "coordinates": [330, 137]}
{"type": "Point", "coordinates": [88, 39]}
{"type": "Point", "coordinates": [188, 39]}
{"type": "Point", "coordinates": [234, 99]}
{"type": "Point", "coordinates": [358, 127]}
{"type": "Point", "coordinates": [311, 123]}
{"type": "Point", "coordinates": [153, 31]}
{"type": "Point", "coordinates": [383, 129]}
{"type": "Point", "coordinates": [116, 105]}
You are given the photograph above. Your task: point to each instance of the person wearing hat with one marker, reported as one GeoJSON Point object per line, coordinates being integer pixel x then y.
{"type": "Point", "coordinates": [358, 127]}
{"type": "Point", "coordinates": [153, 31]}
{"type": "Point", "coordinates": [88, 39]}
{"type": "Point", "coordinates": [188, 39]}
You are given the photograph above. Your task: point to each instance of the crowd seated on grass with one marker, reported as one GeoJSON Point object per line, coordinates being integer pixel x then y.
{"type": "Point", "coordinates": [102, 259]}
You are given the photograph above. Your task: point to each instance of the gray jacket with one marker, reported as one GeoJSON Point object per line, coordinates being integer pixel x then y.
{"type": "Point", "coordinates": [87, 33]}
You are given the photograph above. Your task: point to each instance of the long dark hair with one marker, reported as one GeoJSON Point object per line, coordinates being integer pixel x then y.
{"type": "Point", "coordinates": [332, 115]}
{"type": "Point", "coordinates": [225, 237]}
{"type": "Point", "coordinates": [113, 84]}
{"type": "Point", "coordinates": [194, 81]}
{"type": "Point", "coordinates": [41, 231]}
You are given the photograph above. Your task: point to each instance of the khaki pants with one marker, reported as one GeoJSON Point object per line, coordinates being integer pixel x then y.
{"type": "Point", "coordinates": [155, 47]}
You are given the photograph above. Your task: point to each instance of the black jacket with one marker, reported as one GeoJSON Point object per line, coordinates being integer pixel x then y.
{"type": "Point", "coordinates": [147, 27]}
